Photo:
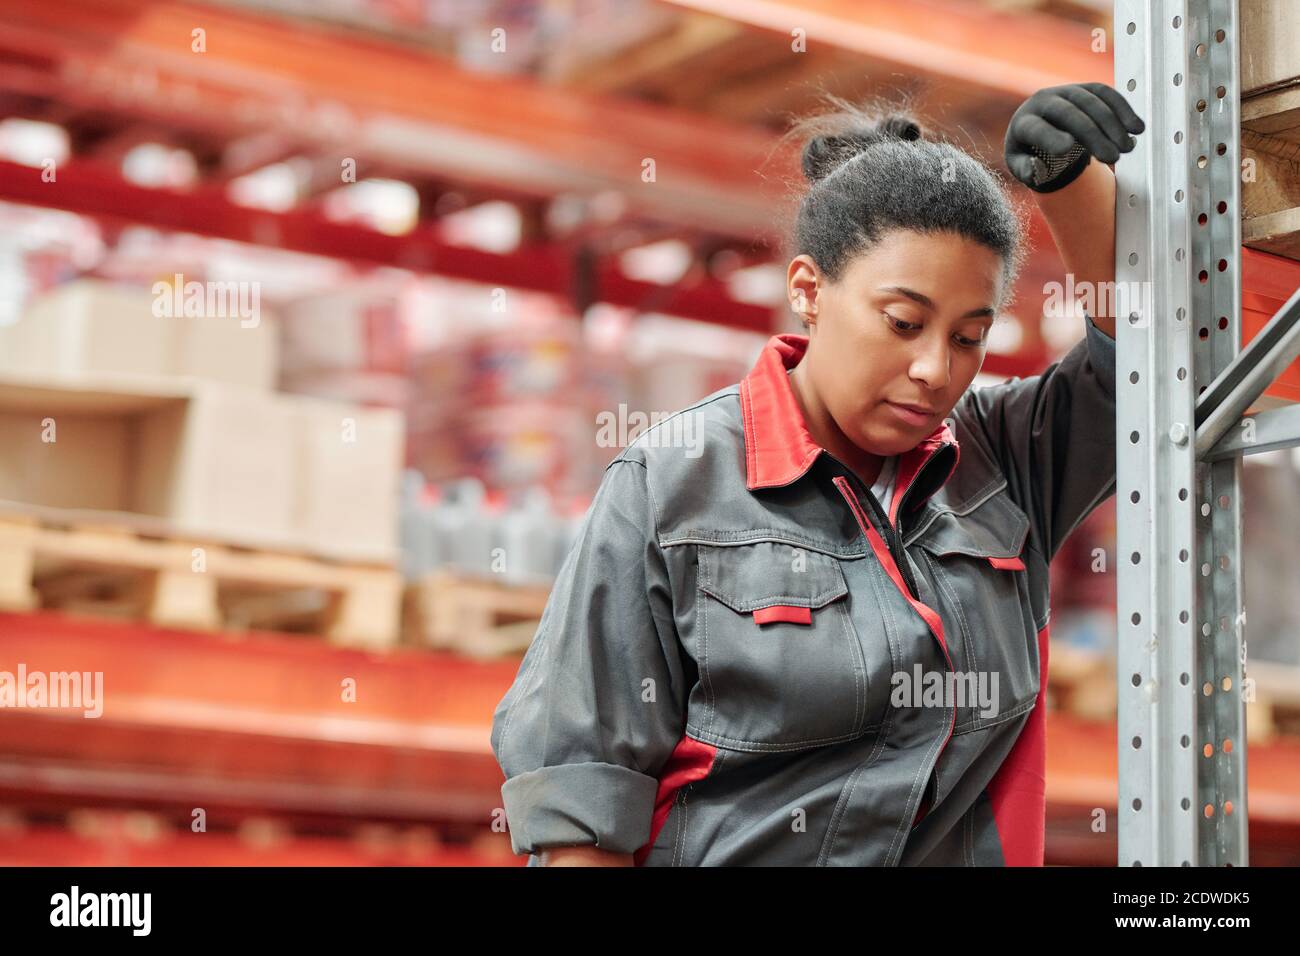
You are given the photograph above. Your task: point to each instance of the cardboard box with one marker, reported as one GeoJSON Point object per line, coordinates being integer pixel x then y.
{"type": "Point", "coordinates": [348, 463]}
{"type": "Point", "coordinates": [347, 330]}
{"type": "Point", "coordinates": [210, 461]}
{"type": "Point", "coordinates": [1270, 55]}
{"type": "Point", "coordinates": [87, 327]}
{"type": "Point", "coordinates": [91, 328]}
{"type": "Point", "coordinates": [217, 349]}
{"type": "Point", "coordinates": [224, 467]}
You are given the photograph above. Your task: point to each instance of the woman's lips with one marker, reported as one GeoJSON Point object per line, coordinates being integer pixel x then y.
{"type": "Point", "coordinates": [910, 415]}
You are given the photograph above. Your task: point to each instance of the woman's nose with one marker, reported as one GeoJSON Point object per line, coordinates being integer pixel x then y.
{"type": "Point", "coordinates": [930, 365]}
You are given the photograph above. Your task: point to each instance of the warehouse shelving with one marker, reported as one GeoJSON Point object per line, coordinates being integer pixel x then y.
{"type": "Point", "coordinates": [226, 719]}
{"type": "Point", "coordinates": [1184, 383]}
{"type": "Point", "coordinates": [272, 90]}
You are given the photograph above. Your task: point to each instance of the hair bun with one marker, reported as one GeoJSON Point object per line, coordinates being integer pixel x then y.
{"type": "Point", "coordinates": [823, 154]}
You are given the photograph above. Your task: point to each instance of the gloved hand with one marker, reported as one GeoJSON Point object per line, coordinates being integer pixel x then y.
{"type": "Point", "coordinates": [1054, 134]}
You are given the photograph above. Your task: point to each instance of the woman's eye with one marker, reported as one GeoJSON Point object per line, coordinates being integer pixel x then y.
{"type": "Point", "coordinates": [900, 324]}
{"type": "Point", "coordinates": [903, 326]}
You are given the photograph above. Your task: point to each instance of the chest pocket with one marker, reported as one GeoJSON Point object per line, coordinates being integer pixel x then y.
{"type": "Point", "coordinates": [781, 667]}
{"type": "Point", "coordinates": [975, 562]}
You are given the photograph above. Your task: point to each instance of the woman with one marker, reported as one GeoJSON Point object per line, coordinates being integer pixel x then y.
{"type": "Point", "coordinates": [752, 655]}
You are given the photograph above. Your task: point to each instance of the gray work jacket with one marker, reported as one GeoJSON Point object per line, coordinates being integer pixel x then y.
{"type": "Point", "coordinates": [745, 661]}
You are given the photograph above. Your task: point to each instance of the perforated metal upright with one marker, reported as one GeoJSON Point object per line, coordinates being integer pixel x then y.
{"type": "Point", "coordinates": [1182, 752]}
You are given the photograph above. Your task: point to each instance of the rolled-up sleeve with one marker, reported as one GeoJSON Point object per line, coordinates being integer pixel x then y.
{"type": "Point", "coordinates": [598, 704]}
{"type": "Point", "coordinates": [1054, 436]}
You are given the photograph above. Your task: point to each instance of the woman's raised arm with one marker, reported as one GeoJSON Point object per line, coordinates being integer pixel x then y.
{"type": "Point", "coordinates": [1082, 220]}
{"type": "Point", "coordinates": [1059, 143]}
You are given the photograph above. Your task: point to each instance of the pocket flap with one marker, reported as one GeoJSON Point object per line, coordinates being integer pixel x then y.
{"type": "Point", "coordinates": [783, 614]}
{"type": "Point", "coordinates": [997, 528]}
{"type": "Point", "coordinates": [768, 574]}
{"type": "Point", "coordinates": [1007, 564]}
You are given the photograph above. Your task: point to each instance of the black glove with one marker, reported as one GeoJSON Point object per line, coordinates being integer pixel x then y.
{"type": "Point", "coordinates": [1055, 133]}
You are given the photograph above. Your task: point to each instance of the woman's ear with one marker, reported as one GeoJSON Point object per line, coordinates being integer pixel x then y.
{"type": "Point", "coordinates": [802, 288]}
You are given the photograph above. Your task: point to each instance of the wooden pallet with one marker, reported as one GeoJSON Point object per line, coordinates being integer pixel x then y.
{"type": "Point", "coordinates": [1083, 684]}
{"type": "Point", "coordinates": [477, 616]}
{"type": "Point", "coordinates": [117, 570]}
{"type": "Point", "coordinates": [1276, 707]}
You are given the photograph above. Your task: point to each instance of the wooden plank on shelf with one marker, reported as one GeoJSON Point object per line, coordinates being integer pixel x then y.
{"type": "Point", "coordinates": [1270, 194]}
{"type": "Point", "coordinates": [1270, 56]}
{"type": "Point", "coordinates": [1275, 232]}
{"type": "Point", "coordinates": [1274, 113]}
{"type": "Point", "coordinates": [473, 614]}
{"type": "Point", "coordinates": [173, 581]}
{"type": "Point", "coordinates": [1082, 684]}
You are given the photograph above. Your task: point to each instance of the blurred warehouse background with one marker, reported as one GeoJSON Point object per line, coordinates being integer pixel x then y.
{"type": "Point", "coordinates": [348, 304]}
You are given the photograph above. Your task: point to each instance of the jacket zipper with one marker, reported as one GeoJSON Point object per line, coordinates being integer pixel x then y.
{"type": "Point", "coordinates": [892, 542]}
{"type": "Point", "coordinates": [902, 509]}
{"type": "Point", "coordinates": [893, 539]}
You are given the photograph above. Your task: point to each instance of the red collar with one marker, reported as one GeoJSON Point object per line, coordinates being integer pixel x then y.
{"type": "Point", "coordinates": [778, 446]}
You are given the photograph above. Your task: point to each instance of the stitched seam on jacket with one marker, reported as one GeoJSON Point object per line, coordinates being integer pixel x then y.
{"type": "Point", "coordinates": [842, 804]}
{"type": "Point", "coordinates": [622, 456]}
{"type": "Point", "coordinates": [996, 484]}
{"type": "Point", "coordinates": [650, 493]}
{"type": "Point", "coordinates": [758, 746]}
{"type": "Point", "coordinates": [968, 834]}
{"type": "Point", "coordinates": [900, 834]}
{"type": "Point", "coordinates": [748, 605]}
{"type": "Point", "coordinates": [759, 536]}
{"type": "Point", "coordinates": [747, 424]}
{"type": "Point", "coordinates": [941, 578]}
{"type": "Point", "coordinates": [681, 829]}
{"type": "Point", "coordinates": [532, 669]}
{"type": "Point", "coordinates": [904, 824]}
{"type": "Point", "coordinates": [714, 769]}
{"type": "Point", "coordinates": [701, 565]}
{"type": "Point", "coordinates": [976, 723]}
{"type": "Point", "coordinates": [1101, 496]}
{"type": "Point", "coordinates": [860, 680]}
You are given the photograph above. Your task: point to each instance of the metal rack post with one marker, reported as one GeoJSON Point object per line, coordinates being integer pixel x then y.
{"type": "Point", "coordinates": [1182, 748]}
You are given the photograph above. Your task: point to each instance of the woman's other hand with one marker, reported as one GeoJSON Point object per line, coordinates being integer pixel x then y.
{"type": "Point", "coordinates": [1054, 133]}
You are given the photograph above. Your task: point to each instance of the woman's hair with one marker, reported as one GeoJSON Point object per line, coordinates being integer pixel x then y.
{"type": "Point", "coordinates": [873, 171]}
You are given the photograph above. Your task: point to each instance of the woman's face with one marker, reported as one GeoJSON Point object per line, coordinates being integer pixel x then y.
{"type": "Point", "coordinates": [904, 326]}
